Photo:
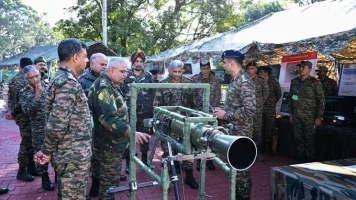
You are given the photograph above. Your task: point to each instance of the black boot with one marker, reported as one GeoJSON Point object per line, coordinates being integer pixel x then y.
{"type": "Point", "coordinates": [46, 183]}
{"type": "Point", "coordinates": [55, 176]}
{"type": "Point", "coordinates": [23, 175]}
{"type": "Point", "coordinates": [31, 169]}
{"type": "Point", "coordinates": [94, 190]}
{"type": "Point", "coordinates": [189, 179]}
{"type": "Point", "coordinates": [210, 165]}
{"type": "Point", "coordinates": [198, 165]}
{"type": "Point", "coordinates": [4, 190]}
{"type": "Point", "coordinates": [123, 178]}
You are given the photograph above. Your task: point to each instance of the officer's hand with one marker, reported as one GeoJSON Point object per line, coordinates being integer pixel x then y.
{"type": "Point", "coordinates": [38, 91]}
{"type": "Point", "coordinates": [142, 137]}
{"type": "Point", "coordinates": [317, 122]}
{"type": "Point", "coordinates": [220, 113]}
{"type": "Point", "coordinates": [41, 158]}
{"type": "Point", "coordinates": [8, 116]}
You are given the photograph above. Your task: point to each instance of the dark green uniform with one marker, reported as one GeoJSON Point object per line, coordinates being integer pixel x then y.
{"type": "Point", "coordinates": [329, 86]}
{"type": "Point", "coordinates": [144, 101]}
{"type": "Point", "coordinates": [306, 103]}
{"type": "Point", "coordinates": [111, 121]}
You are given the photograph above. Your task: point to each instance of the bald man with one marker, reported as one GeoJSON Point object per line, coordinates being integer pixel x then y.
{"type": "Point", "coordinates": [98, 62]}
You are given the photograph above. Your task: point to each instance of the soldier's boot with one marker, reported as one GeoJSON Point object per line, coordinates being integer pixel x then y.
{"type": "Point", "coordinates": [177, 166]}
{"type": "Point", "coordinates": [189, 179]}
{"type": "Point", "coordinates": [123, 178]}
{"type": "Point", "coordinates": [144, 158]}
{"type": "Point", "coordinates": [4, 190]}
{"type": "Point", "coordinates": [46, 182]}
{"type": "Point", "coordinates": [31, 169]}
{"type": "Point", "coordinates": [198, 165]}
{"type": "Point", "coordinates": [94, 190]}
{"type": "Point", "coordinates": [210, 165]}
{"type": "Point", "coordinates": [23, 175]}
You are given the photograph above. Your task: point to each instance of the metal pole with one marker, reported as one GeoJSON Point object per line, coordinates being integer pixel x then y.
{"type": "Point", "coordinates": [133, 120]}
{"type": "Point", "coordinates": [104, 21]}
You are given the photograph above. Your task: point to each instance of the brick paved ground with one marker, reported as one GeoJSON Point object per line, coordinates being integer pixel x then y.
{"type": "Point", "coordinates": [216, 181]}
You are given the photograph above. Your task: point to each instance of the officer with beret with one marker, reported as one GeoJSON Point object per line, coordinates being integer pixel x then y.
{"type": "Point", "coordinates": [239, 109]}
{"type": "Point", "coordinates": [306, 109]}
{"type": "Point", "coordinates": [329, 85]}
{"type": "Point", "coordinates": [41, 66]}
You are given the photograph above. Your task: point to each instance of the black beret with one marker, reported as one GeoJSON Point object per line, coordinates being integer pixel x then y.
{"type": "Point", "coordinates": [25, 61]}
{"type": "Point", "coordinates": [235, 54]}
{"type": "Point", "coordinates": [266, 68]}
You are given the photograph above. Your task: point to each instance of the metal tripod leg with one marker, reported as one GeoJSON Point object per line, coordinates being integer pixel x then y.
{"type": "Point", "coordinates": [153, 151]}
{"type": "Point", "coordinates": [174, 177]}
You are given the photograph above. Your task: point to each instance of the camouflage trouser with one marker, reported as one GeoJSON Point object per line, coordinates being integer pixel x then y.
{"type": "Point", "coordinates": [38, 137]}
{"type": "Point", "coordinates": [257, 131]}
{"type": "Point", "coordinates": [243, 185]}
{"type": "Point", "coordinates": [304, 134]}
{"type": "Point", "coordinates": [25, 155]}
{"type": "Point", "coordinates": [268, 126]}
{"type": "Point", "coordinates": [186, 165]}
{"type": "Point", "coordinates": [73, 179]}
{"type": "Point", "coordinates": [95, 158]}
{"type": "Point", "coordinates": [110, 171]}
{"type": "Point", "coordinates": [141, 128]}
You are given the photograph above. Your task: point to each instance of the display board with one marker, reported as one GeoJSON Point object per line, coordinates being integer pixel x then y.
{"type": "Point", "coordinates": [347, 85]}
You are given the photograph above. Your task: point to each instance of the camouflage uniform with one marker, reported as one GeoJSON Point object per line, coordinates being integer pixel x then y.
{"type": "Point", "coordinates": [111, 121]}
{"type": "Point", "coordinates": [215, 89]}
{"type": "Point", "coordinates": [144, 101]}
{"type": "Point", "coordinates": [240, 108]}
{"type": "Point", "coordinates": [329, 86]}
{"type": "Point", "coordinates": [176, 97]}
{"type": "Point", "coordinates": [68, 133]}
{"type": "Point", "coordinates": [306, 103]}
{"type": "Point", "coordinates": [25, 155]}
{"type": "Point", "coordinates": [262, 92]}
{"type": "Point", "coordinates": [269, 110]}
{"type": "Point", "coordinates": [36, 111]}
{"type": "Point", "coordinates": [86, 80]}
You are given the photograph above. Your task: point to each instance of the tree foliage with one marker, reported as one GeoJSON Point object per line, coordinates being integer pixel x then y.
{"type": "Point", "coordinates": [254, 11]}
{"type": "Point", "coordinates": [21, 28]}
{"type": "Point", "coordinates": [306, 2]}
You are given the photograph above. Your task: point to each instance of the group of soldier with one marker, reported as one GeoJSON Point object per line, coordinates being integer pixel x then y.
{"type": "Point", "coordinates": [79, 120]}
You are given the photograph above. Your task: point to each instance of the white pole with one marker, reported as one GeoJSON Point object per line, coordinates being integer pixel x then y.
{"type": "Point", "coordinates": [104, 18]}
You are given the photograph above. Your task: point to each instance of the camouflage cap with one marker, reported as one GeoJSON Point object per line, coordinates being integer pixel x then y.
{"type": "Point", "coordinates": [323, 68]}
{"type": "Point", "coordinates": [306, 63]}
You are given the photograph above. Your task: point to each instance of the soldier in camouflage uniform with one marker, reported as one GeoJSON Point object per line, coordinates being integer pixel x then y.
{"type": "Point", "coordinates": [239, 109]}
{"type": "Point", "coordinates": [178, 97]}
{"type": "Point", "coordinates": [205, 76]}
{"type": "Point", "coordinates": [269, 134]}
{"type": "Point", "coordinates": [68, 128]}
{"type": "Point", "coordinates": [110, 115]}
{"type": "Point", "coordinates": [329, 85]}
{"type": "Point", "coordinates": [27, 168]}
{"type": "Point", "coordinates": [261, 89]}
{"type": "Point", "coordinates": [41, 66]}
{"type": "Point", "coordinates": [306, 109]}
{"type": "Point", "coordinates": [144, 101]}
{"type": "Point", "coordinates": [32, 101]}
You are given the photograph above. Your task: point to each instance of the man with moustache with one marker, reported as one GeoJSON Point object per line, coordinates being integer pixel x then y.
{"type": "Point", "coordinates": [41, 66]}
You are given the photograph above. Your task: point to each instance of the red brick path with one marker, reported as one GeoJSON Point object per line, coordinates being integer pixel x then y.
{"type": "Point", "coordinates": [216, 181]}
